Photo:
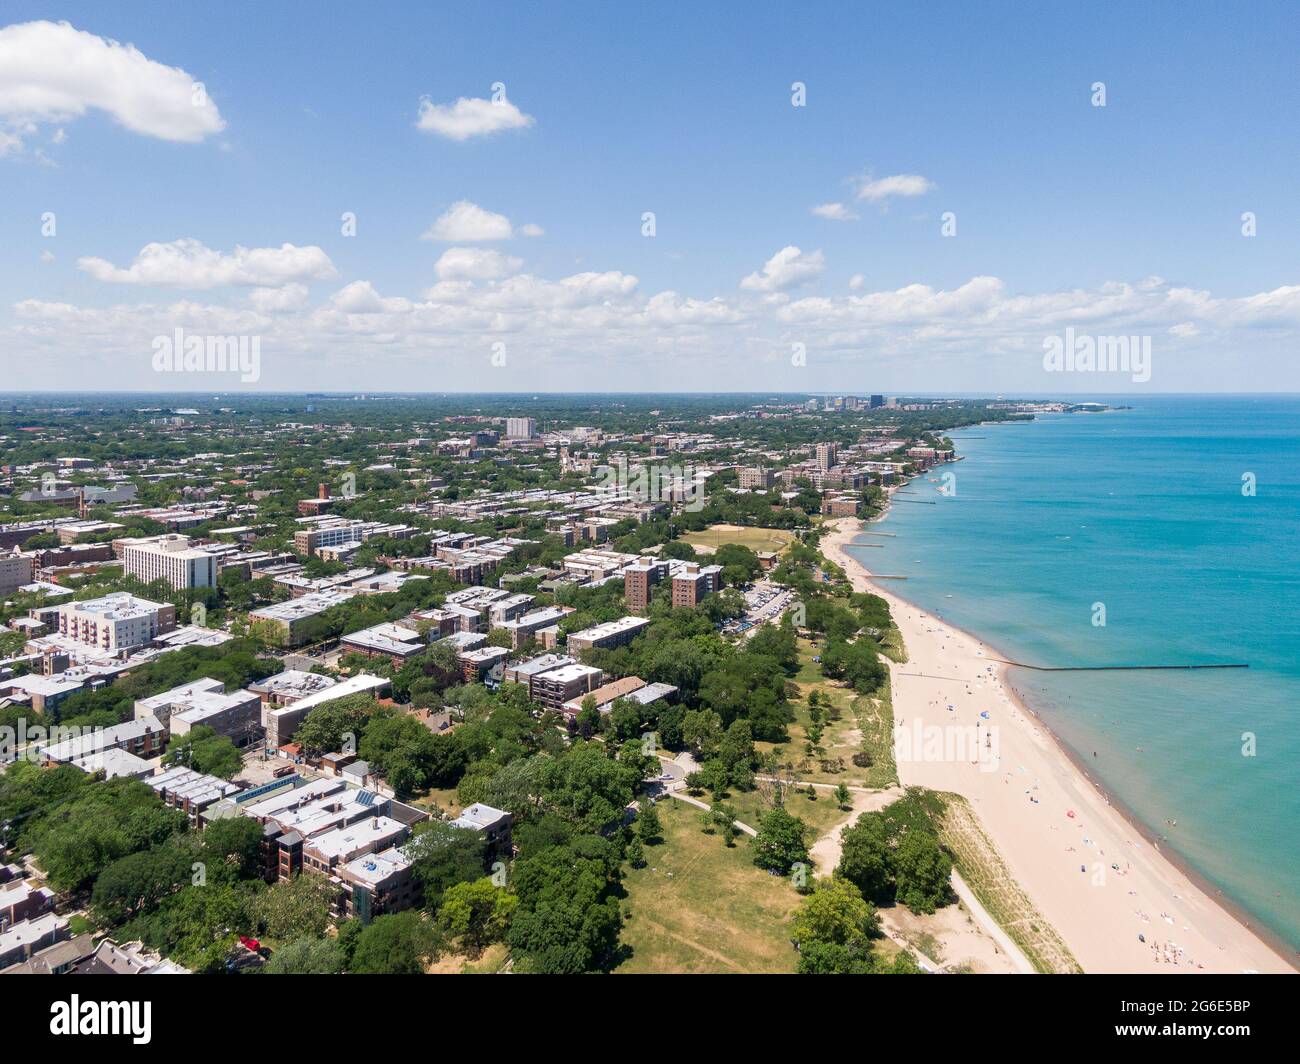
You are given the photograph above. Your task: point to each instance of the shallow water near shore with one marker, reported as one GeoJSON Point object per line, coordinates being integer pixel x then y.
{"type": "Point", "coordinates": [1141, 513]}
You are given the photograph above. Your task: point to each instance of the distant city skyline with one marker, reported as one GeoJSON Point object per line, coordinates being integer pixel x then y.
{"type": "Point", "coordinates": [828, 199]}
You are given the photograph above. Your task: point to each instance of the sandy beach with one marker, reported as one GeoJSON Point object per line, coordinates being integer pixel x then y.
{"type": "Point", "coordinates": [1090, 872]}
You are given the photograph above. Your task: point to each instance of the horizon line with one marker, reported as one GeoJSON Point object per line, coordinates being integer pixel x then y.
{"type": "Point", "coordinates": [354, 392]}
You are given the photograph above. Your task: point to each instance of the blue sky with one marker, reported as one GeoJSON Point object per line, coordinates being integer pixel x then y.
{"type": "Point", "coordinates": [1117, 220]}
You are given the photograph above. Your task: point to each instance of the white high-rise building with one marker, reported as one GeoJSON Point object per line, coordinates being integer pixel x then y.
{"type": "Point", "coordinates": [170, 558]}
{"type": "Point", "coordinates": [521, 428]}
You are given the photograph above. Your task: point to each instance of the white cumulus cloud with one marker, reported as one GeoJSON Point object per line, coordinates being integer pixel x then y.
{"type": "Point", "coordinates": [877, 190]}
{"type": "Point", "coordinates": [51, 72]}
{"type": "Point", "coordinates": [475, 264]}
{"type": "Point", "coordinates": [470, 117]}
{"type": "Point", "coordinates": [279, 300]}
{"type": "Point", "coordinates": [788, 268]}
{"type": "Point", "coordinates": [835, 212]}
{"type": "Point", "coordinates": [466, 222]}
{"type": "Point", "coordinates": [187, 263]}
{"type": "Point", "coordinates": [360, 297]}
{"type": "Point", "coordinates": [587, 323]}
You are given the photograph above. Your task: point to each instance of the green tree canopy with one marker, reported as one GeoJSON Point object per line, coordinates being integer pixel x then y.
{"type": "Point", "coordinates": [781, 842]}
{"type": "Point", "coordinates": [476, 913]}
{"type": "Point", "coordinates": [307, 956]}
{"type": "Point", "coordinates": [203, 750]}
{"type": "Point", "coordinates": [443, 855]}
{"type": "Point", "coordinates": [397, 944]}
{"type": "Point", "coordinates": [297, 906]}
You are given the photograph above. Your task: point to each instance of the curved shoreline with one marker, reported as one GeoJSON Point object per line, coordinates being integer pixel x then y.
{"type": "Point", "coordinates": [1101, 927]}
{"type": "Point", "coordinates": [1208, 887]}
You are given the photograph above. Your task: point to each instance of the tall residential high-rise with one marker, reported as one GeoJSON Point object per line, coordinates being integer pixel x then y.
{"type": "Point", "coordinates": [639, 578]}
{"type": "Point", "coordinates": [827, 453]}
{"type": "Point", "coordinates": [521, 428]}
{"type": "Point", "coordinates": [170, 558]}
{"type": "Point", "coordinates": [695, 581]}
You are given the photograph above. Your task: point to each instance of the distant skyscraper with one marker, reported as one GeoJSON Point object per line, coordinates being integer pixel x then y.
{"type": "Point", "coordinates": [877, 400]}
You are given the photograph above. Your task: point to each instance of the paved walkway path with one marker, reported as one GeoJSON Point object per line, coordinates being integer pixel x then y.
{"type": "Point", "coordinates": [740, 825]}
{"type": "Point", "coordinates": [990, 925]}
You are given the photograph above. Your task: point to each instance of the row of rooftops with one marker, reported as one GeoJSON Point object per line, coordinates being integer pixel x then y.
{"type": "Point", "coordinates": [387, 638]}
{"type": "Point", "coordinates": [632, 687]}
{"type": "Point", "coordinates": [195, 789]}
{"type": "Point", "coordinates": [194, 703]}
{"type": "Point", "coordinates": [20, 893]}
{"type": "Point", "coordinates": [377, 867]}
{"type": "Point", "coordinates": [92, 740]}
{"type": "Point", "coordinates": [297, 609]}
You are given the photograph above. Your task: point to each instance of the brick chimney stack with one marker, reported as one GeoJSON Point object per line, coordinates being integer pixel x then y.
{"type": "Point", "coordinates": [322, 491]}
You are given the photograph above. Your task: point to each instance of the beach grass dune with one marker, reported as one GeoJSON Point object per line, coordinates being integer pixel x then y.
{"type": "Point", "coordinates": [979, 864]}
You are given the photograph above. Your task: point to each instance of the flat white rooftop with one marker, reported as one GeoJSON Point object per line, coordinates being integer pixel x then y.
{"type": "Point", "coordinates": [299, 608]}
{"type": "Point", "coordinates": [119, 606]}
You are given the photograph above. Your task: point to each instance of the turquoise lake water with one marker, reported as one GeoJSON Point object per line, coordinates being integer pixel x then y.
{"type": "Point", "coordinates": [1142, 511]}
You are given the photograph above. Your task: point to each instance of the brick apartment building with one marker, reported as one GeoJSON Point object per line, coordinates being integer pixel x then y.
{"type": "Point", "coordinates": [692, 582]}
{"type": "Point", "coordinates": [319, 505]}
{"type": "Point", "coordinates": [556, 686]}
{"type": "Point", "coordinates": [754, 478]}
{"type": "Point", "coordinates": [639, 578]}
{"type": "Point", "coordinates": [608, 635]}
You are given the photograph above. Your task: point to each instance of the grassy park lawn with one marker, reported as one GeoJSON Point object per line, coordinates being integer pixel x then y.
{"type": "Point", "coordinates": [698, 906]}
{"type": "Point", "coordinates": [756, 539]}
{"type": "Point", "coordinates": [864, 722]}
{"type": "Point", "coordinates": [491, 961]}
{"type": "Point", "coordinates": [437, 798]}
{"type": "Point", "coordinates": [821, 815]}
